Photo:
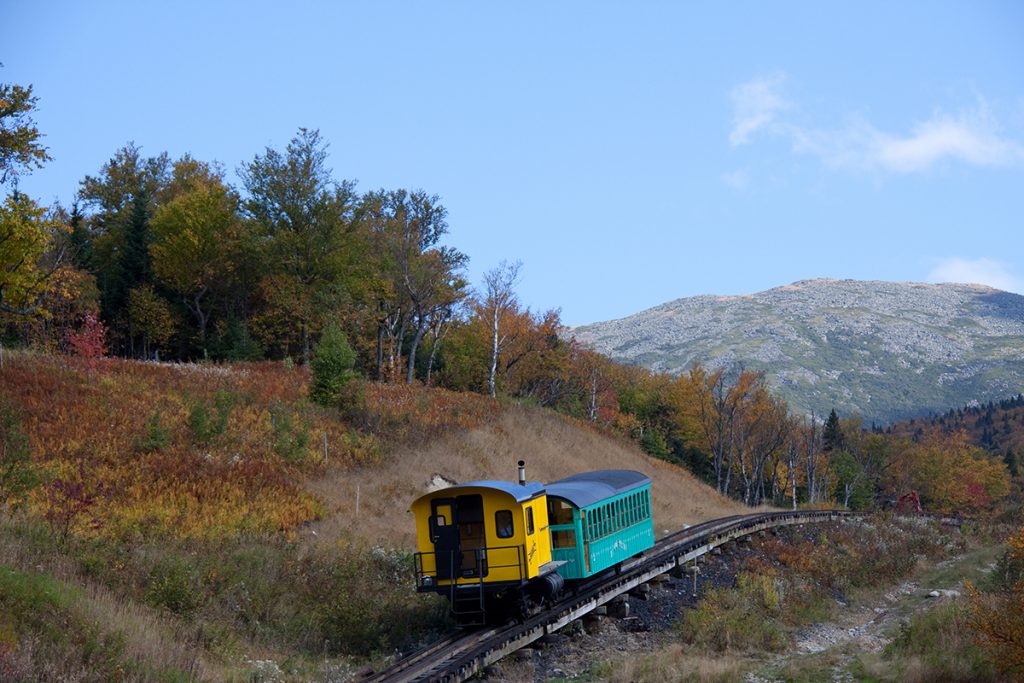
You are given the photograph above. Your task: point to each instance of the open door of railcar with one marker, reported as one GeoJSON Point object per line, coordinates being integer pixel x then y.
{"type": "Point", "coordinates": [445, 534]}
{"type": "Point", "coordinates": [457, 529]}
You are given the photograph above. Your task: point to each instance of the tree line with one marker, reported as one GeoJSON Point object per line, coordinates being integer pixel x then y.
{"type": "Point", "coordinates": [160, 258]}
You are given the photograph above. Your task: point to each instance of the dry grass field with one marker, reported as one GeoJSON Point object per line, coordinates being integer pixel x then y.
{"type": "Point", "coordinates": [553, 447]}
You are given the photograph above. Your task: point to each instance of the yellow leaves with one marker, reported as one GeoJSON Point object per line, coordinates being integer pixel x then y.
{"type": "Point", "coordinates": [949, 472]}
{"type": "Point", "coordinates": [192, 236]}
{"type": "Point", "coordinates": [1016, 545]}
{"type": "Point", "coordinates": [998, 618]}
{"type": "Point", "coordinates": [25, 235]}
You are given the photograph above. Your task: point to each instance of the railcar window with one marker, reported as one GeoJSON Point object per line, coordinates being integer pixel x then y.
{"type": "Point", "coordinates": [563, 539]}
{"type": "Point", "coordinates": [503, 525]}
{"type": "Point", "coordinates": [529, 521]}
{"type": "Point", "coordinates": [436, 521]}
{"type": "Point", "coordinates": [559, 511]}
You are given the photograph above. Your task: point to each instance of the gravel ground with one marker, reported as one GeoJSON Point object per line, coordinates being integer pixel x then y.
{"type": "Point", "coordinates": [650, 624]}
{"type": "Point", "coordinates": [571, 652]}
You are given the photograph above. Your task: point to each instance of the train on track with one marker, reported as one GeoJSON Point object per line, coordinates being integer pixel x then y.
{"type": "Point", "coordinates": [502, 550]}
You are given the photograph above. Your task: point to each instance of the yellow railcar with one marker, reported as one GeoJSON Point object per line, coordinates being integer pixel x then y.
{"type": "Point", "coordinates": [485, 545]}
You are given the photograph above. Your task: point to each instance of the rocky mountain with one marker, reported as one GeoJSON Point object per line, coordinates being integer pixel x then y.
{"type": "Point", "coordinates": [884, 350]}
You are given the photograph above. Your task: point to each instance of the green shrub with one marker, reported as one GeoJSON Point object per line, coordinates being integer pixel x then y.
{"type": "Point", "coordinates": [333, 359]}
{"type": "Point", "coordinates": [206, 424]}
{"type": "Point", "coordinates": [291, 440]}
{"type": "Point", "coordinates": [156, 437]}
{"type": "Point", "coordinates": [737, 619]}
{"type": "Point", "coordinates": [29, 598]}
{"type": "Point", "coordinates": [174, 586]}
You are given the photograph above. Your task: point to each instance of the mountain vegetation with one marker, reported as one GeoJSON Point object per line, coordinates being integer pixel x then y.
{"type": "Point", "coordinates": [163, 259]}
{"type": "Point", "coordinates": [321, 339]}
{"type": "Point", "coordinates": [880, 350]}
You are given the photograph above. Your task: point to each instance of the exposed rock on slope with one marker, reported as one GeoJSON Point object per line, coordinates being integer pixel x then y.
{"type": "Point", "coordinates": [880, 349]}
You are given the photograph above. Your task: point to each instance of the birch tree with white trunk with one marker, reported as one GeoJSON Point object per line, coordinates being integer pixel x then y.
{"type": "Point", "coordinates": [500, 299]}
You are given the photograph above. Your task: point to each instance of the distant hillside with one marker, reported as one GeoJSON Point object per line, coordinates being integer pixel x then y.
{"type": "Point", "coordinates": [885, 350]}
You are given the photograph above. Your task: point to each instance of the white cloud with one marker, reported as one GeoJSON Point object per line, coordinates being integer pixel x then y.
{"type": "Point", "coordinates": [980, 271]}
{"type": "Point", "coordinates": [972, 136]}
{"type": "Point", "coordinates": [755, 106]}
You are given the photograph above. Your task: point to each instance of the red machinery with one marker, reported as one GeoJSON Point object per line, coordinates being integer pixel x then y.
{"type": "Point", "coordinates": [909, 502]}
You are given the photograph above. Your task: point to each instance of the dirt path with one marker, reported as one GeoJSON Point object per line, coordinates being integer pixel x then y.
{"type": "Point", "coordinates": [868, 628]}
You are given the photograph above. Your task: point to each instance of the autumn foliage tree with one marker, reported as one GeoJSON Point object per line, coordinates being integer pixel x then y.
{"type": "Point", "coordinates": [303, 219]}
{"type": "Point", "coordinates": [998, 616]}
{"type": "Point", "coordinates": [196, 245]}
{"type": "Point", "coordinates": [90, 340]}
{"type": "Point", "coordinates": [948, 472]}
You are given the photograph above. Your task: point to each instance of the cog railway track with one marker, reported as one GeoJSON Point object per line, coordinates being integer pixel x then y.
{"type": "Point", "coordinates": [462, 655]}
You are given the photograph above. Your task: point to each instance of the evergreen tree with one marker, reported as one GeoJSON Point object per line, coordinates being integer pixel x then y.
{"type": "Point", "coordinates": [1010, 458]}
{"type": "Point", "coordinates": [80, 241]}
{"type": "Point", "coordinates": [332, 363]}
{"type": "Point", "coordinates": [832, 436]}
{"type": "Point", "coordinates": [132, 268]}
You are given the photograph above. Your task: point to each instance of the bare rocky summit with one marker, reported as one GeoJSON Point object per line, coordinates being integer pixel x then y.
{"type": "Point", "coordinates": [883, 350]}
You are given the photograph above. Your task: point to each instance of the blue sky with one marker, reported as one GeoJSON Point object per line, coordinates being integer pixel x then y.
{"type": "Point", "coordinates": [628, 153]}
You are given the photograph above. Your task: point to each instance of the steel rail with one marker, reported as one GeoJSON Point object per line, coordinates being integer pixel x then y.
{"type": "Point", "coordinates": [459, 657]}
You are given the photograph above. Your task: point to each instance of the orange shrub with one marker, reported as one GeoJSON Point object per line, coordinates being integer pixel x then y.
{"type": "Point", "coordinates": [111, 475]}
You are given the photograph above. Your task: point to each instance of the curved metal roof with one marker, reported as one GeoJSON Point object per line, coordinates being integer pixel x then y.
{"type": "Point", "coordinates": [517, 491]}
{"type": "Point", "coordinates": [588, 488]}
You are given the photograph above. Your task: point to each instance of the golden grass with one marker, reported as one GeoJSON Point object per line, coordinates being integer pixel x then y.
{"type": "Point", "coordinates": [553, 447]}
{"type": "Point", "coordinates": [676, 663]}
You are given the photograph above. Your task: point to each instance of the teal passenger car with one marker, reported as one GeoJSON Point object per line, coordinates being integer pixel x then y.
{"type": "Point", "coordinates": [598, 519]}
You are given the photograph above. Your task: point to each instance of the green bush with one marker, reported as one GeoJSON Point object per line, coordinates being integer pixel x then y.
{"type": "Point", "coordinates": [740, 619]}
{"type": "Point", "coordinates": [206, 424]}
{"type": "Point", "coordinates": [291, 440]}
{"type": "Point", "coordinates": [27, 599]}
{"type": "Point", "coordinates": [174, 586]}
{"type": "Point", "coordinates": [333, 359]}
{"type": "Point", "coordinates": [156, 437]}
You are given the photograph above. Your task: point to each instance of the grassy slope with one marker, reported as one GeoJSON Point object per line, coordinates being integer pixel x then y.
{"type": "Point", "coordinates": [195, 555]}
{"type": "Point", "coordinates": [552, 446]}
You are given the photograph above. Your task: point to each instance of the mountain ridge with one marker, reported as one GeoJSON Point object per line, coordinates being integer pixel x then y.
{"type": "Point", "coordinates": [880, 349]}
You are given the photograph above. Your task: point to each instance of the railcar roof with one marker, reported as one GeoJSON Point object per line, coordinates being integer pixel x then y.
{"type": "Point", "coordinates": [520, 493]}
{"type": "Point", "coordinates": [587, 488]}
